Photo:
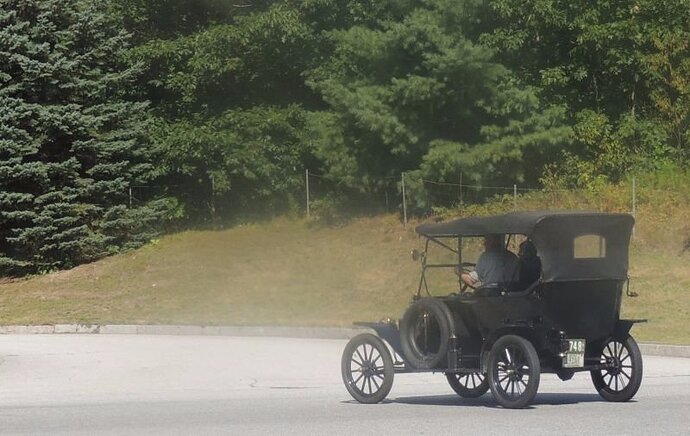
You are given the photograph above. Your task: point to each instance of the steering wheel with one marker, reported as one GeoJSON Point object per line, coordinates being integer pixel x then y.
{"type": "Point", "coordinates": [465, 268]}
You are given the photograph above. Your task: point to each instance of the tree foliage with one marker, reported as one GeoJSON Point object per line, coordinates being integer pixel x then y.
{"type": "Point", "coordinates": [418, 95]}
{"type": "Point", "coordinates": [620, 65]}
{"type": "Point", "coordinates": [238, 99]}
{"type": "Point", "coordinates": [71, 143]}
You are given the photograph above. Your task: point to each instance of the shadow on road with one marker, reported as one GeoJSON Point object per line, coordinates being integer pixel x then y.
{"type": "Point", "coordinates": [487, 400]}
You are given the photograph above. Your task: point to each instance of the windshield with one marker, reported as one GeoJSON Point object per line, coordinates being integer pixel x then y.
{"type": "Point", "coordinates": [508, 261]}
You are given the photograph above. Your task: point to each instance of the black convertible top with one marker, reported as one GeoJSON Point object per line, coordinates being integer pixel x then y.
{"type": "Point", "coordinates": [516, 222]}
{"type": "Point", "coordinates": [554, 233]}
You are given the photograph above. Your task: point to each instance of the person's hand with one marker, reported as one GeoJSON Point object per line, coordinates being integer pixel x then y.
{"type": "Point", "coordinates": [468, 281]}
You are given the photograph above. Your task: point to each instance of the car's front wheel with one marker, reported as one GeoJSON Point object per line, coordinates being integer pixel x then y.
{"type": "Point", "coordinates": [621, 380]}
{"type": "Point", "coordinates": [367, 369]}
{"type": "Point", "coordinates": [514, 371]}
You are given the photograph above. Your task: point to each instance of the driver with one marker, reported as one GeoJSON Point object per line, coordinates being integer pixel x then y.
{"type": "Point", "coordinates": [495, 266]}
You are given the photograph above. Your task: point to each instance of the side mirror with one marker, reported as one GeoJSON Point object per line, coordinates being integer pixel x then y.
{"type": "Point", "coordinates": [416, 255]}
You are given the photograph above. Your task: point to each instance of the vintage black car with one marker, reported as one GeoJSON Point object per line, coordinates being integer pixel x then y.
{"type": "Point", "coordinates": [502, 336]}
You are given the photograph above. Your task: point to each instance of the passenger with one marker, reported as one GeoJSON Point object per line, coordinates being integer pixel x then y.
{"type": "Point", "coordinates": [529, 264]}
{"type": "Point", "coordinates": [495, 267]}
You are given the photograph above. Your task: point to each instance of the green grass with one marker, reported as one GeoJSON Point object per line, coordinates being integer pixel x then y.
{"type": "Point", "coordinates": [285, 272]}
{"type": "Point", "coordinates": [662, 280]}
{"type": "Point", "coordinates": [292, 273]}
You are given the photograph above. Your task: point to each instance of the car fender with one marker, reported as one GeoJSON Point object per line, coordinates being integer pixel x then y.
{"type": "Point", "coordinates": [388, 332]}
{"type": "Point", "coordinates": [623, 326]}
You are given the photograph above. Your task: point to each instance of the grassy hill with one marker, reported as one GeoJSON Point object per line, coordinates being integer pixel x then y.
{"type": "Point", "coordinates": [295, 273]}
{"type": "Point", "coordinates": [284, 272]}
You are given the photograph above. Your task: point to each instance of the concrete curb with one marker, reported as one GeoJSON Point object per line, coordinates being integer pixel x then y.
{"type": "Point", "coordinates": [665, 350]}
{"type": "Point", "coordinates": [153, 329]}
{"type": "Point", "coordinates": [252, 331]}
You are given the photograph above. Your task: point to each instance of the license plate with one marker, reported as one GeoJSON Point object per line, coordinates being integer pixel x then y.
{"type": "Point", "coordinates": [575, 356]}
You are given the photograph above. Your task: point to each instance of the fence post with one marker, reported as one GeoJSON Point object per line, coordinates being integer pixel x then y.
{"type": "Point", "coordinates": [634, 203]}
{"type": "Point", "coordinates": [404, 199]}
{"type": "Point", "coordinates": [130, 197]}
{"type": "Point", "coordinates": [213, 197]}
{"type": "Point", "coordinates": [306, 178]}
{"type": "Point", "coordinates": [461, 204]}
{"type": "Point", "coordinates": [386, 194]}
{"type": "Point", "coordinates": [514, 196]}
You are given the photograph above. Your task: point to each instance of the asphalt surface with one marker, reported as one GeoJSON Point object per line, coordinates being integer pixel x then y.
{"type": "Point", "coordinates": [125, 384]}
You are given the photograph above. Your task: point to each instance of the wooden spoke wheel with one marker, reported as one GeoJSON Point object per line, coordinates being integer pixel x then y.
{"type": "Point", "coordinates": [622, 379]}
{"type": "Point", "coordinates": [471, 385]}
{"type": "Point", "coordinates": [367, 369]}
{"type": "Point", "coordinates": [514, 371]}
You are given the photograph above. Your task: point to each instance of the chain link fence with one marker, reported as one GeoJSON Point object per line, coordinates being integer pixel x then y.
{"type": "Point", "coordinates": [429, 197]}
{"type": "Point", "coordinates": [322, 197]}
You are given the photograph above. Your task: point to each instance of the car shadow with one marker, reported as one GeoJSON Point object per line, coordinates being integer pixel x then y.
{"type": "Point", "coordinates": [488, 401]}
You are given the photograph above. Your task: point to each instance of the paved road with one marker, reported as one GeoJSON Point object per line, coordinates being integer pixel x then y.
{"type": "Point", "coordinates": [95, 384]}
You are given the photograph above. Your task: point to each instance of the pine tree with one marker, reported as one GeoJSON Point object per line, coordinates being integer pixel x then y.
{"type": "Point", "coordinates": [418, 95]}
{"type": "Point", "coordinates": [70, 140]}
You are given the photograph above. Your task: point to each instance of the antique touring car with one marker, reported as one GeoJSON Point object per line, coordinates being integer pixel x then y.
{"type": "Point", "coordinates": [502, 336]}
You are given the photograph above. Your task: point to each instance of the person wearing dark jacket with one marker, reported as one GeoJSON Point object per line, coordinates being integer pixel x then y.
{"type": "Point", "coordinates": [529, 264]}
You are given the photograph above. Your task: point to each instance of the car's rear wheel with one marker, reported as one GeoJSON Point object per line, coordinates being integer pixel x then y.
{"type": "Point", "coordinates": [514, 371]}
{"type": "Point", "coordinates": [470, 385]}
{"type": "Point", "coordinates": [367, 369]}
{"type": "Point", "coordinates": [425, 330]}
{"type": "Point", "coordinates": [621, 381]}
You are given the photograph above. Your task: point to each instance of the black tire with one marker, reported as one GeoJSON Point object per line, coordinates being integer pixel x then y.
{"type": "Point", "coordinates": [621, 382]}
{"type": "Point", "coordinates": [514, 372]}
{"type": "Point", "coordinates": [472, 385]}
{"type": "Point", "coordinates": [366, 359]}
{"type": "Point", "coordinates": [425, 330]}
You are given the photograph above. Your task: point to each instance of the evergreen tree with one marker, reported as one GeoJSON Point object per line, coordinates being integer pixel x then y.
{"type": "Point", "coordinates": [230, 104]}
{"type": "Point", "coordinates": [70, 141]}
{"type": "Point", "coordinates": [418, 95]}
